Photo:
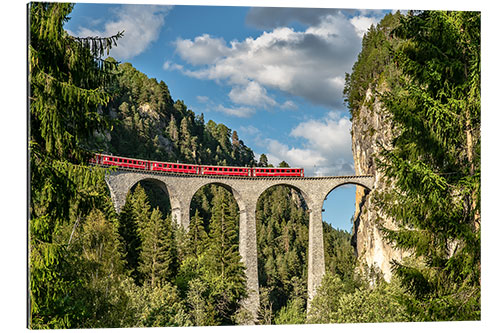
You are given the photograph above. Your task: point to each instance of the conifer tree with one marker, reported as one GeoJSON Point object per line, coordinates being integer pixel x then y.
{"type": "Point", "coordinates": [197, 236]}
{"type": "Point", "coordinates": [434, 164]}
{"type": "Point", "coordinates": [157, 258]}
{"type": "Point", "coordinates": [68, 82]}
{"type": "Point", "coordinates": [100, 253]}
{"type": "Point", "coordinates": [227, 273]}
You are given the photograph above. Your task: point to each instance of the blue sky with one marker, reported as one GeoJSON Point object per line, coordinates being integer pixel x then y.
{"type": "Point", "coordinates": [275, 75]}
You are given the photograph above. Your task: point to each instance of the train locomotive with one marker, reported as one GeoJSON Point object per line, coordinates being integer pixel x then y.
{"type": "Point", "coordinates": [194, 169]}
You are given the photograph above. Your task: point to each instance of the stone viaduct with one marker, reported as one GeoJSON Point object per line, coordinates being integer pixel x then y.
{"type": "Point", "coordinates": [246, 191]}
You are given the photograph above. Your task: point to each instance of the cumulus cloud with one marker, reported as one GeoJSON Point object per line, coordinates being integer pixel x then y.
{"type": "Point", "coordinates": [329, 135]}
{"type": "Point", "coordinates": [327, 147]}
{"type": "Point", "coordinates": [203, 50]}
{"type": "Point", "coordinates": [141, 25]}
{"type": "Point", "coordinates": [310, 64]}
{"type": "Point", "coordinates": [251, 94]}
{"type": "Point", "coordinates": [363, 23]}
{"type": "Point", "coordinates": [303, 157]}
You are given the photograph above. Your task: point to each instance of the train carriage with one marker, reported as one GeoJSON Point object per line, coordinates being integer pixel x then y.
{"type": "Point", "coordinates": [225, 170]}
{"type": "Point", "coordinates": [175, 167]}
{"type": "Point", "coordinates": [278, 172]}
{"type": "Point", "coordinates": [122, 162]}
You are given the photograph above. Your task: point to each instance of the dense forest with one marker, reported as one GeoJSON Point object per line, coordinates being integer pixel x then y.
{"type": "Point", "coordinates": [91, 267]}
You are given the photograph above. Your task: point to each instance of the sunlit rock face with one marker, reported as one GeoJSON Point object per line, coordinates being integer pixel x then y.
{"type": "Point", "coordinates": [371, 130]}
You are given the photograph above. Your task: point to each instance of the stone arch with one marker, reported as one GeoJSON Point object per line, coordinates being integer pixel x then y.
{"type": "Point", "coordinates": [164, 188]}
{"type": "Point", "coordinates": [349, 182]}
{"type": "Point", "coordinates": [232, 189]}
{"type": "Point", "coordinates": [305, 195]}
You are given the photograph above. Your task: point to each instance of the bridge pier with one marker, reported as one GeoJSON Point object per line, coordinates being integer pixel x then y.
{"type": "Point", "coordinates": [316, 252]}
{"type": "Point", "coordinates": [248, 252]}
{"type": "Point", "coordinates": [180, 203]}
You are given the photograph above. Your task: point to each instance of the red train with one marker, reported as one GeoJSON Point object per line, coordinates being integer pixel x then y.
{"type": "Point", "coordinates": [131, 163]}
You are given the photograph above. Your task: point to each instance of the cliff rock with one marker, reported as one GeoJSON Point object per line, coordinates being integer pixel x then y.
{"type": "Point", "coordinates": [371, 130]}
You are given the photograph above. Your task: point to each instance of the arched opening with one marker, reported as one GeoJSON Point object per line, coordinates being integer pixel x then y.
{"type": "Point", "coordinates": [147, 233]}
{"type": "Point", "coordinates": [206, 196]}
{"type": "Point", "coordinates": [341, 207]}
{"type": "Point", "coordinates": [282, 222]}
{"type": "Point", "coordinates": [211, 273]}
{"type": "Point", "coordinates": [157, 194]}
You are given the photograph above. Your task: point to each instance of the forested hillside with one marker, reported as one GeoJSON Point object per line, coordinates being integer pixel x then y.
{"type": "Point", "coordinates": [148, 124]}
{"type": "Point", "coordinates": [90, 267]}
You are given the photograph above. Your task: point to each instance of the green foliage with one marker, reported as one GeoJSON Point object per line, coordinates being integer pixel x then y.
{"type": "Point", "coordinates": [226, 270]}
{"type": "Point", "coordinates": [158, 306]}
{"type": "Point", "coordinates": [340, 258]}
{"type": "Point", "coordinates": [97, 245]}
{"type": "Point", "coordinates": [435, 164]}
{"type": "Point", "coordinates": [325, 304]}
{"type": "Point", "coordinates": [67, 84]}
{"type": "Point", "coordinates": [337, 302]}
{"type": "Point", "coordinates": [282, 238]}
{"type": "Point", "coordinates": [293, 313]}
{"type": "Point", "coordinates": [375, 63]}
{"type": "Point", "coordinates": [158, 258]}
{"type": "Point", "coordinates": [197, 237]}
{"type": "Point", "coordinates": [202, 312]}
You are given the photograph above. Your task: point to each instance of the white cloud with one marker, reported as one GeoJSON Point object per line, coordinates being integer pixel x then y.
{"type": "Point", "coordinates": [363, 23]}
{"type": "Point", "coordinates": [250, 130]}
{"type": "Point", "coordinates": [329, 134]}
{"type": "Point", "coordinates": [278, 152]}
{"type": "Point", "coordinates": [309, 64]}
{"type": "Point", "coordinates": [236, 111]}
{"type": "Point", "coordinates": [203, 99]}
{"type": "Point", "coordinates": [327, 148]}
{"type": "Point", "coordinates": [289, 105]}
{"type": "Point", "coordinates": [241, 111]}
{"type": "Point", "coordinates": [141, 25]}
{"type": "Point", "coordinates": [203, 50]}
{"type": "Point", "coordinates": [251, 94]}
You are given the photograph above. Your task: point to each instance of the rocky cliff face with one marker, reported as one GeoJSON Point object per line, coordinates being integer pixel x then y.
{"type": "Point", "coordinates": [371, 130]}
